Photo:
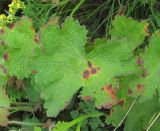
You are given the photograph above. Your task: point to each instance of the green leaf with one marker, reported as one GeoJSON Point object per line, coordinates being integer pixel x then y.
{"type": "Point", "coordinates": [115, 116]}
{"type": "Point", "coordinates": [21, 48]}
{"type": "Point", "coordinates": [64, 66]}
{"type": "Point", "coordinates": [128, 28]}
{"type": "Point", "coordinates": [109, 60]}
{"type": "Point", "coordinates": [64, 126]}
{"type": "Point", "coordinates": [151, 59]}
{"type": "Point", "coordinates": [147, 82]}
{"type": "Point", "coordinates": [32, 94]}
{"type": "Point", "coordinates": [37, 129]}
{"type": "Point", "coordinates": [141, 114]}
{"type": "Point", "coordinates": [60, 67]}
{"type": "Point", "coordinates": [61, 126]}
{"type": "Point", "coordinates": [139, 117]}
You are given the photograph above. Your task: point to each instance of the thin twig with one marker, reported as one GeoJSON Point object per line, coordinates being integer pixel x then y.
{"type": "Point", "coordinates": [126, 114]}
{"type": "Point", "coordinates": [153, 122]}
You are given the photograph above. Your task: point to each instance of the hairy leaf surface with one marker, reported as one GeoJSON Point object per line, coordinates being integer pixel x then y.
{"type": "Point", "coordinates": [21, 48]}
{"type": "Point", "coordinates": [61, 66]}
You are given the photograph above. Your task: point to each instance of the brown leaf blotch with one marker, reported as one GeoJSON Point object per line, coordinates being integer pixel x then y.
{"type": "Point", "coordinates": [86, 74]}
{"type": "Point", "coordinates": [130, 91]}
{"type": "Point", "coordinates": [121, 102]}
{"type": "Point", "coordinates": [94, 71]}
{"type": "Point", "coordinates": [37, 39]}
{"type": "Point", "coordinates": [11, 26]}
{"type": "Point", "coordinates": [140, 87]}
{"type": "Point", "coordinates": [146, 28]}
{"type": "Point", "coordinates": [34, 72]}
{"type": "Point", "coordinates": [6, 56]}
{"type": "Point", "coordinates": [1, 31]}
{"type": "Point", "coordinates": [110, 91]}
{"type": "Point", "coordinates": [139, 61]}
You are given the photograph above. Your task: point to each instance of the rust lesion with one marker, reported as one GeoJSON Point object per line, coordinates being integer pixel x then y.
{"type": "Point", "coordinates": [146, 28]}
{"type": "Point", "coordinates": [140, 87]}
{"type": "Point", "coordinates": [86, 74]}
{"type": "Point", "coordinates": [139, 61]}
{"type": "Point", "coordinates": [37, 38]}
{"type": "Point", "coordinates": [91, 70]}
{"type": "Point", "coordinates": [121, 102]}
{"type": "Point", "coordinates": [1, 31]}
{"type": "Point", "coordinates": [130, 92]}
{"type": "Point", "coordinates": [110, 90]}
{"type": "Point", "coordinates": [6, 56]}
{"type": "Point", "coordinates": [34, 72]}
{"type": "Point", "coordinates": [11, 26]}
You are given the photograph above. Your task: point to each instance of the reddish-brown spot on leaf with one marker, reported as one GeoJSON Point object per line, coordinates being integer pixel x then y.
{"type": "Point", "coordinates": [1, 31]}
{"type": "Point", "coordinates": [6, 56]}
{"type": "Point", "coordinates": [140, 87]}
{"type": "Point", "coordinates": [11, 26]}
{"type": "Point", "coordinates": [110, 91]}
{"type": "Point", "coordinates": [146, 28]}
{"type": "Point", "coordinates": [139, 61]}
{"type": "Point", "coordinates": [130, 91]}
{"type": "Point", "coordinates": [37, 39]}
{"type": "Point", "coordinates": [121, 102]}
{"type": "Point", "coordinates": [87, 98]}
{"type": "Point", "coordinates": [86, 74]}
{"type": "Point", "coordinates": [94, 71]}
{"type": "Point", "coordinates": [34, 72]}
{"type": "Point", "coordinates": [89, 64]}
